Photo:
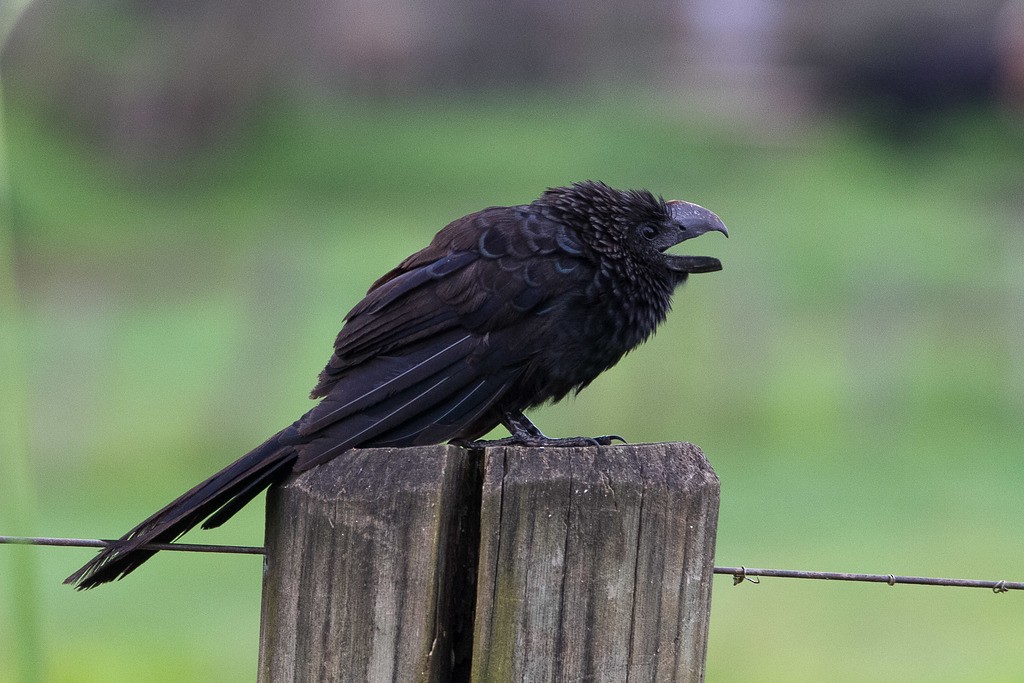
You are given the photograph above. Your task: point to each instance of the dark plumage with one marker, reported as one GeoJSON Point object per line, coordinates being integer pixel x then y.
{"type": "Point", "coordinates": [506, 309]}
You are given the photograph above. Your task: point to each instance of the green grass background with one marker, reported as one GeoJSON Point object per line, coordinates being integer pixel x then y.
{"type": "Point", "coordinates": [855, 373]}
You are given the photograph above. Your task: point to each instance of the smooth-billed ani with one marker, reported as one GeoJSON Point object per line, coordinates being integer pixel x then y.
{"type": "Point", "coordinates": [506, 309]}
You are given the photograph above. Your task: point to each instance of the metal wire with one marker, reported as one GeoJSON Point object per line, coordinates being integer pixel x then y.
{"type": "Point", "coordinates": [100, 543]}
{"type": "Point", "coordinates": [739, 574]}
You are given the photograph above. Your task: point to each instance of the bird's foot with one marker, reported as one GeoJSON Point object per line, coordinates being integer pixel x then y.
{"type": "Point", "coordinates": [541, 441]}
{"type": "Point", "coordinates": [525, 433]}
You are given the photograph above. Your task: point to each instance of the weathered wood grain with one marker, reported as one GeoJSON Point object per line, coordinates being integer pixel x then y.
{"type": "Point", "coordinates": [364, 555]}
{"type": "Point", "coordinates": [582, 564]}
{"type": "Point", "coordinates": [595, 564]}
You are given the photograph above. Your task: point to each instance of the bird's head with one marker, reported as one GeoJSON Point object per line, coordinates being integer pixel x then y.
{"type": "Point", "coordinates": [635, 222]}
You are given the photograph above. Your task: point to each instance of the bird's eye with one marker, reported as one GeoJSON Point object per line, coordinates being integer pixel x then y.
{"type": "Point", "coordinates": [649, 232]}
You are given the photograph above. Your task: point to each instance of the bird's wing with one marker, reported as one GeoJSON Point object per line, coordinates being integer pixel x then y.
{"type": "Point", "coordinates": [438, 341]}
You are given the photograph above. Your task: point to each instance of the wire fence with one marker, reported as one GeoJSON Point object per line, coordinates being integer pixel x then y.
{"type": "Point", "coordinates": [102, 543]}
{"type": "Point", "coordinates": [739, 574]}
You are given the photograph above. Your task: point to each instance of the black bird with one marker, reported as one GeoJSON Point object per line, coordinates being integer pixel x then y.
{"type": "Point", "coordinates": [506, 309]}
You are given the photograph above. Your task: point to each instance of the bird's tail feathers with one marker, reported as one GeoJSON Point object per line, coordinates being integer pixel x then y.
{"type": "Point", "coordinates": [214, 500]}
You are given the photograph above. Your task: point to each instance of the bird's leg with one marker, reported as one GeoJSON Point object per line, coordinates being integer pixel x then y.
{"type": "Point", "coordinates": [525, 433]}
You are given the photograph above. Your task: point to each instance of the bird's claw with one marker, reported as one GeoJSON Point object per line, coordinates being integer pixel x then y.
{"type": "Point", "coordinates": [534, 441]}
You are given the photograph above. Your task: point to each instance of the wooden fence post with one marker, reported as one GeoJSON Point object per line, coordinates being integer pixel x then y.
{"type": "Point", "coordinates": [367, 556]}
{"type": "Point", "coordinates": [594, 564]}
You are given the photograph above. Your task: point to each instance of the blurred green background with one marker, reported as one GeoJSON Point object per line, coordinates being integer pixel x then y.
{"type": "Point", "coordinates": [198, 194]}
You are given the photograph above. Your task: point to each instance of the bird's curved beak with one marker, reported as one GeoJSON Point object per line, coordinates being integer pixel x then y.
{"type": "Point", "coordinates": [693, 220]}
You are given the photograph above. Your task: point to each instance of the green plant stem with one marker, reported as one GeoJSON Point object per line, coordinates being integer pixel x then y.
{"type": "Point", "coordinates": [17, 493]}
